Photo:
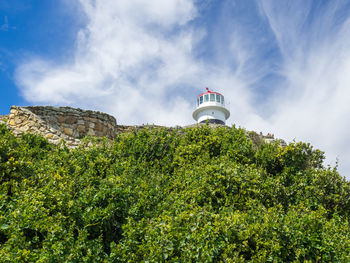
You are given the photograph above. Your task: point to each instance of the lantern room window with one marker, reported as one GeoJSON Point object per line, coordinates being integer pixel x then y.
{"type": "Point", "coordinates": [222, 99]}
{"type": "Point", "coordinates": [206, 97]}
{"type": "Point", "coordinates": [218, 98]}
{"type": "Point", "coordinates": [212, 97]}
{"type": "Point", "coordinates": [201, 100]}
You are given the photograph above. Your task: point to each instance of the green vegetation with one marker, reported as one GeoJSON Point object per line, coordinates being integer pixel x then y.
{"type": "Point", "coordinates": [193, 195]}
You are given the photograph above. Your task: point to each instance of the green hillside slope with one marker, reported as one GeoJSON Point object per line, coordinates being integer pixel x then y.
{"type": "Point", "coordinates": [192, 195]}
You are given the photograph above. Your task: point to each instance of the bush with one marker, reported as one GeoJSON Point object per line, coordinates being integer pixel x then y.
{"type": "Point", "coordinates": [197, 194]}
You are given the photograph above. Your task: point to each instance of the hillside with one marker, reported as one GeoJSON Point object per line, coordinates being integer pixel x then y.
{"type": "Point", "coordinates": [188, 195]}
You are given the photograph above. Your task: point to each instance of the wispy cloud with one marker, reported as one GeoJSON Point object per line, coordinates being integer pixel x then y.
{"type": "Point", "coordinates": [284, 66]}
{"type": "Point", "coordinates": [5, 26]}
{"type": "Point", "coordinates": [314, 105]}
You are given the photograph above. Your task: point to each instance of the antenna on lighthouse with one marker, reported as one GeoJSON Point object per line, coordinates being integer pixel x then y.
{"type": "Point", "coordinates": [211, 108]}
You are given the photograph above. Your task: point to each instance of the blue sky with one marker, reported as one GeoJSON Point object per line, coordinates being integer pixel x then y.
{"type": "Point", "coordinates": [28, 29]}
{"type": "Point", "coordinates": [284, 66]}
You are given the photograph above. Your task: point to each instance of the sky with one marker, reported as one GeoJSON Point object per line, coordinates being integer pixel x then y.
{"type": "Point", "coordinates": [283, 66]}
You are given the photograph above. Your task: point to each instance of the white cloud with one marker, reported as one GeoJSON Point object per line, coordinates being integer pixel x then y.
{"type": "Point", "coordinates": [127, 58]}
{"type": "Point", "coordinates": [315, 103]}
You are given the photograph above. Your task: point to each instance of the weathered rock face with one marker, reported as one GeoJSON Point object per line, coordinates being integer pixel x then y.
{"type": "Point", "coordinates": [59, 123]}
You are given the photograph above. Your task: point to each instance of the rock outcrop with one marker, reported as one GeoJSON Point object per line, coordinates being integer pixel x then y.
{"type": "Point", "coordinates": [56, 123]}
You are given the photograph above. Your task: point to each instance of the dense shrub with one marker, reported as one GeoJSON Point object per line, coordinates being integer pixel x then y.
{"type": "Point", "coordinates": [193, 195]}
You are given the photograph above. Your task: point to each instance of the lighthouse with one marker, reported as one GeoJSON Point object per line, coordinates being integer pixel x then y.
{"type": "Point", "coordinates": [211, 107]}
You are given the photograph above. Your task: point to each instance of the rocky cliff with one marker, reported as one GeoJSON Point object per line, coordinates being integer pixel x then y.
{"type": "Point", "coordinates": [56, 123]}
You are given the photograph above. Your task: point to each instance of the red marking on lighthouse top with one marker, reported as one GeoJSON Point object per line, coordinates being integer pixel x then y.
{"type": "Point", "coordinates": [209, 92]}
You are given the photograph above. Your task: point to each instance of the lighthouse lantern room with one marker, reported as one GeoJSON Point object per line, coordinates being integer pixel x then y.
{"type": "Point", "coordinates": [211, 107]}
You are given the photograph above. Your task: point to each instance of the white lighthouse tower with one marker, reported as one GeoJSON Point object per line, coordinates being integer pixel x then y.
{"type": "Point", "coordinates": [211, 108]}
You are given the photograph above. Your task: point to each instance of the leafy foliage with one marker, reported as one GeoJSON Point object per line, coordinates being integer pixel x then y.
{"type": "Point", "coordinates": [193, 195]}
